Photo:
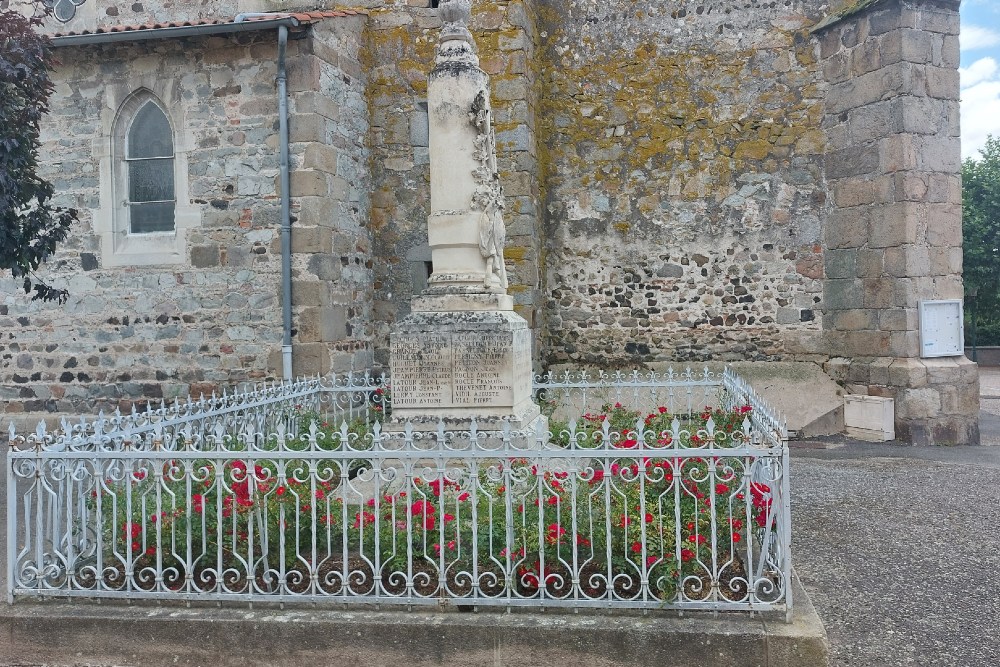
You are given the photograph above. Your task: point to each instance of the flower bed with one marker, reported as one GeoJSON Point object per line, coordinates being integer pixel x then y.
{"type": "Point", "coordinates": [619, 508]}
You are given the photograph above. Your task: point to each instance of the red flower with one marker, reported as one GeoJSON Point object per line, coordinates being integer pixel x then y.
{"type": "Point", "coordinates": [448, 517]}
{"type": "Point", "coordinates": [628, 444]}
{"type": "Point", "coordinates": [197, 502]}
{"type": "Point", "coordinates": [131, 529]}
{"type": "Point", "coordinates": [598, 476]}
{"type": "Point", "coordinates": [686, 555]}
{"type": "Point", "coordinates": [422, 507]}
{"type": "Point", "coordinates": [662, 410]}
{"type": "Point", "coordinates": [721, 488]}
{"type": "Point", "coordinates": [280, 491]}
{"type": "Point", "coordinates": [637, 547]}
{"type": "Point", "coordinates": [463, 497]}
{"type": "Point", "coordinates": [554, 532]}
{"type": "Point", "coordinates": [650, 560]}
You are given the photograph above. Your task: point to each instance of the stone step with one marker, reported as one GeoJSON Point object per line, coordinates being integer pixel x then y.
{"type": "Point", "coordinates": [110, 633]}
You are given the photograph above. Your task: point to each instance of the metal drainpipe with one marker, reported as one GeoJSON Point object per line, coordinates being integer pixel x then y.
{"type": "Point", "coordinates": [286, 219]}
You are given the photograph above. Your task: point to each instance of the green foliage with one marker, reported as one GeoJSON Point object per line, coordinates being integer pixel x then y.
{"type": "Point", "coordinates": [981, 240]}
{"type": "Point", "coordinates": [303, 521]}
{"type": "Point", "coordinates": [30, 226]}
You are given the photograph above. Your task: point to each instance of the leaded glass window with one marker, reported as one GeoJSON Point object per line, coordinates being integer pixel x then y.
{"type": "Point", "coordinates": [149, 166]}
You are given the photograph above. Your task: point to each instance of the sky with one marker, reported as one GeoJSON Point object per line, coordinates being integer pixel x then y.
{"type": "Point", "coordinates": [980, 73]}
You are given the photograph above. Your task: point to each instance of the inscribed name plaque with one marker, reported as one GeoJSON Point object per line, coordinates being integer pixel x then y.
{"type": "Point", "coordinates": [421, 371]}
{"type": "Point", "coordinates": [483, 364]}
{"type": "Point", "coordinates": [465, 369]}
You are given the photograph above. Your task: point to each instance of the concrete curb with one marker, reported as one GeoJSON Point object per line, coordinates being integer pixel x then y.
{"type": "Point", "coordinates": [107, 634]}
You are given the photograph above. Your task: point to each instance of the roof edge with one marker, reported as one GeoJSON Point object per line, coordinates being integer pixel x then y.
{"type": "Point", "coordinates": [172, 31]}
{"type": "Point", "coordinates": [849, 9]}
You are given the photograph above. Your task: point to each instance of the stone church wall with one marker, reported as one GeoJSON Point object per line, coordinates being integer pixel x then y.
{"type": "Point", "coordinates": [683, 152]}
{"type": "Point", "coordinates": [212, 316]}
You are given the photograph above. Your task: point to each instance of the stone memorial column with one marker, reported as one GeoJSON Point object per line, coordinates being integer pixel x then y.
{"type": "Point", "coordinates": [463, 352]}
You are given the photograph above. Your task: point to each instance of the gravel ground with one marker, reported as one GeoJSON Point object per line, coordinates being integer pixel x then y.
{"type": "Point", "coordinates": [897, 548]}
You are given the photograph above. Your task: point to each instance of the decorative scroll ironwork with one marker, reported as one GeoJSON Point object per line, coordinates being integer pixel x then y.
{"type": "Point", "coordinates": [252, 497]}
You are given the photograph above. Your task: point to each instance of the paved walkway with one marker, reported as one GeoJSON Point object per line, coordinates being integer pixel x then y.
{"type": "Point", "coordinates": [898, 546]}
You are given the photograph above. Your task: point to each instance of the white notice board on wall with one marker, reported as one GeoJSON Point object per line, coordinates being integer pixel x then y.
{"type": "Point", "coordinates": [941, 331]}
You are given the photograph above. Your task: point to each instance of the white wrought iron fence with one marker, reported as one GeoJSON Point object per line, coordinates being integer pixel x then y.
{"type": "Point", "coordinates": [261, 496]}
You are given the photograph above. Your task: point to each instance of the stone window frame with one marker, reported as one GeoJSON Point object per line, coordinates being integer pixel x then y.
{"type": "Point", "coordinates": [119, 247]}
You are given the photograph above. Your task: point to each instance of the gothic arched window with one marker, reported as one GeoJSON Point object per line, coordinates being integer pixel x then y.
{"type": "Point", "coordinates": [147, 172]}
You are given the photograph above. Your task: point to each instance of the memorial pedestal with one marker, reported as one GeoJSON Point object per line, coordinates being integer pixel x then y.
{"type": "Point", "coordinates": [459, 366]}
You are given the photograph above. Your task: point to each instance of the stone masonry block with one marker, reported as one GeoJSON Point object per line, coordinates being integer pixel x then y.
{"type": "Point", "coordinates": [870, 262]}
{"type": "Point", "coordinates": [325, 267]}
{"type": "Point", "coordinates": [890, 18]}
{"type": "Point", "coordinates": [950, 52]}
{"type": "Point", "coordinates": [310, 293]}
{"type": "Point", "coordinates": [323, 324]}
{"type": "Point", "coordinates": [898, 319]}
{"type": "Point", "coordinates": [874, 121]}
{"type": "Point", "coordinates": [204, 256]}
{"type": "Point", "coordinates": [921, 115]}
{"type": "Point", "coordinates": [943, 371]}
{"type": "Point", "coordinates": [942, 82]}
{"type": "Point", "coordinates": [939, 152]}
{"type": "Point", "coordinates": [321, 158]}
{"type": "Point", "coordinates": [918, 403]}
{"type": "Point", "coordinates": [852, 161]}
{"type": "Point", "coordinates": [878, 292]}
{"type": "Point", "coordinates": [897, 152]}
{"type": "Point", "coordinates": [904, 343]}
{"type": "Point", "coordinates": [837, 368]}
{"type": "Point", "coordinates": [855, 320]}
{"type": "Point", "coordinates": [307, 183]}
{"type": "Point", "coordinates": [315, 211]}
{"type": "Point", "coordinates": [907, 372]}
{"type": "Point", "coordinates": [850, 192]}
{"type": "Point", "coordinates": [846, 228]}
{"type": "Point", "coordinates": [866, 343]}
{"type": "Point", "coordinates": [946, 261]}
{"type": "Point", "coordinates": [307, 127]}
{"type": "Point", "coordinates": [303, 73]}
{"type": "Point", "coordinates": [311, 239]}
{"type": "Point", "coordinates": [895, 224]}
{"type": "Point", "coordinates": [842, 294]}
{"type": "Point", "coordinates": [307, 359]}
{"type": "Point", "coordinates": [917, 46]}
{"type": "Point", "coordinates": [908, 261]}
{"type": "Point", "coordinates": [934, 18]}
{"type": "Point", "coordinates": [836, 68]}
{"type": "Point", "coordinates": [944, 225]}
{"type": "Point", "coordinates": [878, 370]}
{"type": "Point", "coordinates": [841, 263]}
{"type": "Point", "coordinates": [866, 57]}
{"type": "Point", "coordinates": [315, 102]}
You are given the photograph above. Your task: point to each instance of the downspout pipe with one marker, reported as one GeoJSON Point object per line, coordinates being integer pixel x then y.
{"type": "Point", "coordinates": [286, 218]}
